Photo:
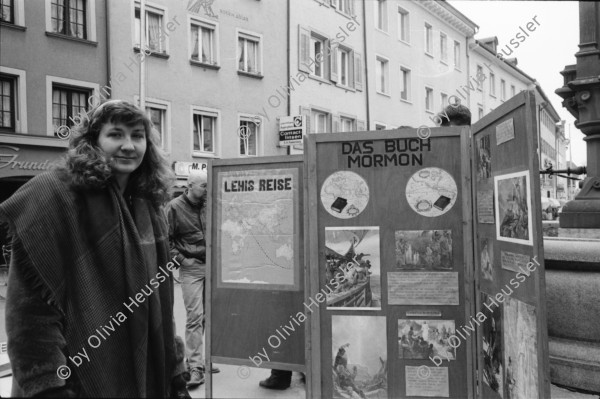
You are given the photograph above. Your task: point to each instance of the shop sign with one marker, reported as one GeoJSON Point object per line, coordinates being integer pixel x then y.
{"type": "Point", "coordinates": [10, 159]}
{"type": "Point", "coordinates": [185, 168]}
{"type": "Point", "coordinates": [291, 130]}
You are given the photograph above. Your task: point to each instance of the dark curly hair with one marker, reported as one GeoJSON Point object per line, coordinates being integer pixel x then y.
{"type": "Point", "coordinates": [90, 168]}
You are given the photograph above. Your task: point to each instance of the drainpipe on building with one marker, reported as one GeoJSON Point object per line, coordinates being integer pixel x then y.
{"type": "Point", "coordinates": [107, 27]}
{"type": "Point", "coordinates": [365, 69]}
{"type": "Point", "coordinates": [142, 47]}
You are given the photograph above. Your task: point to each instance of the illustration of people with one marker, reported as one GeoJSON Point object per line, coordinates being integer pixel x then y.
{"type": "Point", "coordinates": [484, 163]}
{"type": "Point", "coordinates": [344, 376]}
{"type": "Point", "coordinates": [486, 263]}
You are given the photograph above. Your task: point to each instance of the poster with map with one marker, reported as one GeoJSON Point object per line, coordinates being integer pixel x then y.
{"type": "Point", "coordinates": [344, 194]}
{"type": "Point", "coordinates": [257, 227]}
{"type": "Point", "coordinates": [431, 192]}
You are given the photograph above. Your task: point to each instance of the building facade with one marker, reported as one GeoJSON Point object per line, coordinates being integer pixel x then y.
{"type": "Point", "coordinates": [210, 72]}
{"type": "Point", "coordinates": [327, 61]}
{"type": "Point", "coordinates": [493, 80]}
{"type": "Point", "coordinates": [41, 94]}
{"type": "Point", "coordinates": [417, 59]}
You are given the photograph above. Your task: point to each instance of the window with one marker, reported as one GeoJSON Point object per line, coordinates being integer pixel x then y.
{"type": "Point", "coordinates": [158, 117]}
{"type": "Point", "coordinates": [203, 43]}
{"type": "Point", "coordinates": [249, 53]}
{"type": "Point", "coordinates": [429, 99]}
{"type": "Point", "coordinates": [320, 121]}
{"type": "Point", "coordinates": [502, 89]}
{"type": "Point", "coordinates": [382, 76]}
{"type": "Point", "coordinates": [7, 103]}
{"type": "Point", "coordinates": [347, 124]}
{"type": "Point", "coordinates": [204, 131]}
{"type": "Point", "coordinates": [68, 17]}
{"type": "Point", "coordinates": [403, 25]}
{"type": "Point", "coordinates": [456, 55]}
{"type": "Point", "coordinates": [512, 90]}
{"type": "Point", "coordinates": [404, 84]}
{"type": "Point", "coordinates": [479, 111]}
{"type": "Point", "coordinates": [444, 100]}
{"type": "Point", "coordinates": [381, 15]}
{"type": "Point", "coordinates": [428, 39]}
{"type": "Point", "coordinates": [344, 64]}
{"type": "Point", "coordinates": [443, 47]}
{"type": "Point", "coordinates": [479, 74]}
{"type": "Point", "coordinates": [7, 11]}
{"type": "Point", "coordinates": [154, 38]}
{"type": "Point", "coordinates": [68, 103]}
{"type": "Point", "coordinates": [492, 84]}
{"type": "Point", "coordinates": [248, 136]}
{"type": "Point", "coordinates": [344, 6]}
{"type": "Point", "coordinates": [317, 46]}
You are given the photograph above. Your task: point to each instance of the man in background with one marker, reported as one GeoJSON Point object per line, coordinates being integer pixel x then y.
{"type": "Point", "coordinates": [186, 215]}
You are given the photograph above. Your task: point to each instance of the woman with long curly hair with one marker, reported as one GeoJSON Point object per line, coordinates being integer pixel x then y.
{"type": "Point", "coordinates": [89, 309]}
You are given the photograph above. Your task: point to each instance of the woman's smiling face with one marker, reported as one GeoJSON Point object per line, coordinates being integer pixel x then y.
{"type": "Point", "coordinates": [124, 145]}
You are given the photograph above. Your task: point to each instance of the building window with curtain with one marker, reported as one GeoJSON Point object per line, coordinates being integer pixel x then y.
{"type": "Point", "coordinates": [154, 38]}
{"type": "Point", "coordinates": [320, 121]}
{"type": "Point", "coordinates": [248, 137]}
{"type": "Point", "coordinates": [7, 103]}
{"type": "Point", "coordinates": [317, 46]}
{"type": "Point", "coordinates": [203, 44]}
{"type": "Point", "coordinates": [347, 124]}
{"type": "Point", "coordinates": [249, 54]}
{"type": "Point", "coordinates": [381, 15]}
{"type": "Point", "coordinates": [403, 25]}
{"type": "Point", "coordinates": [7, 11]}
{"type": "Point", "coordinates": [404, 84]}
{"type": "Point", "coordinates": [69, 17]}
{"type": "Point", "coordinates": [382, 75]}
{"type": "Point", "coordinates": [428, 39]}
{"type": "Point", "coordinates": [67, 103]}
{"type": "Point", "coordinates": [205, 126]}
{"type": "Point", "coordinates": [456, 55]}
{"type": "Point", "coordinates": [443, 47]}
{"type": "Point", "coordinates": [428, 99]}
{"type": "Point", "coordinates": [158, 116]}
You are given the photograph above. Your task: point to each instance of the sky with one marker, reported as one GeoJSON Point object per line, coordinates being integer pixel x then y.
{"type": "Point", "coordinates": [544, 53]}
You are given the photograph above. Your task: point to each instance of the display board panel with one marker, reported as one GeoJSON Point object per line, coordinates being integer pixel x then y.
{"type": "Point", "coordinates": [509, 261]}
{"type": "Point", "coordinates": [256, 273]}
{"type": "Point", "coordinates": [390, 260]}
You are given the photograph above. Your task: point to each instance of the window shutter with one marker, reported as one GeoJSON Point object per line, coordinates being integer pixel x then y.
{"type": "Point", "coordinates": [360, 126]}
{"type": "Point", "coordinates": [351, 5]}
{"type": "Point", "coordinates": [334, 3]}
{"type": "Point", "coordinates": [336, 124]}
{"type": "Point", "coordinates": [333, 61]}
{"type": "Point", "coordinates": [306, 112]}
{"type": "Point", "coordinates": [304, 49]}
{"type": "Point", "coordinates": [358, 84]}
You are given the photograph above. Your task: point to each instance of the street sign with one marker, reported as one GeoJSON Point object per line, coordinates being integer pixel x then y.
{"type": "Point", "coordinates": [291, 130]}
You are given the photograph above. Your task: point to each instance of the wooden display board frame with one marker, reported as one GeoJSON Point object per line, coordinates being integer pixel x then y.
{"type": "Point", "coordinates": [315, 253]}
{"type": "Point", "coordinates": [504, 153]}
{"type": "Point", "coordinates": [216, 292]}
